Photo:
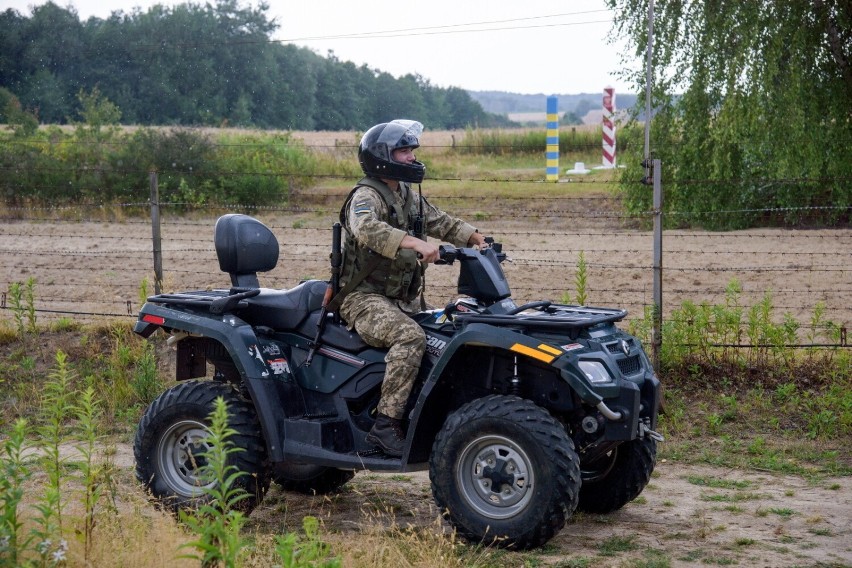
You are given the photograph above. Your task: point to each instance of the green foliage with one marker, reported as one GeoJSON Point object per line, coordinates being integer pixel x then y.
{"type": "Point", "coordinates": [57, 407]}
{"type": "Point", "coordinates": [15, 474]}
{"type": "Point", "coordinates": [97, 112]}
{"type": "Point", "coordinates": [583, 144]}
{"type": "Point", "coordinates": [29, 301]}
{"type": "Point", "coordinates": [752, 111]}
{"type": "Point", "coordinates": [145, 381]}
{"type": "Point", "coordinates": [261, 169]}
{"type": "Point", "coordinates": [217, 522]}
{"type": "Point", "coordinates": [17, 305]}
{"type": "Point", "coordinates": [305, 552]}
{"type": "Point", "coordinates": [45, 545]}
{"type": "Point", "coordinates": [22, 303]}
{"type": "Point", "coordinates": [96, 476]}
{"type": "Point", "coordinates": [581, 279]}
{"type": "Point", "coordinates": [21, 122]}
{"type": "Point", "coordinates": [728, 334]}
{"type": "Point", "coordinates": [212, 64]}
{"type": "Point", "coordinates": [143, 291]}
{"type": "Point", "coordinates": [616, 544]}
{"type": "Point", "coordinates": [127, 372]}
{"type": "Point", "coordinates": [580, 283]}
{"type": "Point", "coordinates": [723, 351]}
{"type": "Point", "coordinates": [192, 168]}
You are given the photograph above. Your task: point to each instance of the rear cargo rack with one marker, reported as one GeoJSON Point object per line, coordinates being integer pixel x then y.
{"type": "Point", "coordinates": [217, 301]}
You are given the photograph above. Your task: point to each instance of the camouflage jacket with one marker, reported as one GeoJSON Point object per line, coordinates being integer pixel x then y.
{"type": "Point", "coordinates": [373, 227]}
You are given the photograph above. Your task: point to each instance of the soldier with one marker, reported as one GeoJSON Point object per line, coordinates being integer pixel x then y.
{"type": "Point", "coordinates": [385, 253]}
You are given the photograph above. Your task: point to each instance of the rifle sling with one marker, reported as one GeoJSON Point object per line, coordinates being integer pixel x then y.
{"type": "Point", "coordinates": [334, 303]}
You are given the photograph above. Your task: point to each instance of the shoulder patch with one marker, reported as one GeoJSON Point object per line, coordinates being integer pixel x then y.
{"type": "Point", "coordinates": [362, 207]}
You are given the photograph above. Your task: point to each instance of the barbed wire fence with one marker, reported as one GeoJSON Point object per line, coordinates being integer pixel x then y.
{"type": "Point", "coordinates": [97, 261]}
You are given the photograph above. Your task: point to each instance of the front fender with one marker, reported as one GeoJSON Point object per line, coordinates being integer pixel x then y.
{"type": "Point", "coordinates": [485, 335]}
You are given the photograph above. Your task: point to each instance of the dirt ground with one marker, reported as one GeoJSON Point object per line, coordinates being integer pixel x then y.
{"type": "Point", "coordinates": [692, 515]}
{"type": "Point", "coordinates": [97, 267]}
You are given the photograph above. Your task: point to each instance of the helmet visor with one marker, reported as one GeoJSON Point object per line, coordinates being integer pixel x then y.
{"type": "Point", "coordinates": [401, 134]}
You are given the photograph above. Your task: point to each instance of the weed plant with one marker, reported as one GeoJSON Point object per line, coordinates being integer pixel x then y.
{"type": "Point", "coordinates": [15, 473]}
{"type": "Point", "coordinates": [757, 382]}
{"type": "Point", "coordinates": [97, 476]}
{"type": "Point", "coordinates": [734, 343]}
{"type": "Point", "coordinates": [581, 277]}
{"type": "Point", "coordinates": [218, 522]}
{"type": "Point", "coordinates": [22, 300]}
{"type": "Point", "coordinates": [308, 551]}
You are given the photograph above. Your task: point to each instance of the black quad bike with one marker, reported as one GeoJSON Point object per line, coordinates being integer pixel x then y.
{"type": "Point", "coordinates": [522, 414]}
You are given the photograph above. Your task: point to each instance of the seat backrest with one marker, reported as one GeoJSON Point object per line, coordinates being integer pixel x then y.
{"type": "Point", "coordinates": [244, 247]}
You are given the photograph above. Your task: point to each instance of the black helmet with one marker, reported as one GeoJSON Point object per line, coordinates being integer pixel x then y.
{"type": "Point", "coordinates": [375, 153]}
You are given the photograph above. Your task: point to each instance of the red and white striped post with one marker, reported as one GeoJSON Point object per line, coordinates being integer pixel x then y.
{"type": "Point", "coordinates": [608, 127]}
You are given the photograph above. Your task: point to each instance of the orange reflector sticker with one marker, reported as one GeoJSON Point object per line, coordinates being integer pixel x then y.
{"type": "Point", "coordinates": [534, 353]}
{"type": "Point", "coordinates": [550, 349]}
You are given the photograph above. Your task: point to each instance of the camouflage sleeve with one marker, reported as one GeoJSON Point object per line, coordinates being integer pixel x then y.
{"type": "Point", "coordinates": [442, 226]}
{"type": "Point", "coordinates": [367, 214]}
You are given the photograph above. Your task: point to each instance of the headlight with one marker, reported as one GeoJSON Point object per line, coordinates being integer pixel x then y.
{"type": "Point", "coordinates": [595, 372]}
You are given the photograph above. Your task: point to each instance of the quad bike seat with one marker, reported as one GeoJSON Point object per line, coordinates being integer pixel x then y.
{"type": "Point", "coordinates": [284, 309]}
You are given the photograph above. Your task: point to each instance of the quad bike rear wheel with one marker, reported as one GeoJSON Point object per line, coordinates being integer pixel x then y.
{"type": "Point", "coordinates": [312, 479]}
{"type": "Point", "coordinates": [504, 471]}
{"type": "Point", "coordinates": [172, 438]}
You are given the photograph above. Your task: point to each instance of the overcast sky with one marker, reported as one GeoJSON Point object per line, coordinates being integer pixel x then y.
{"type": "Point", "coordinates": [526, 46]}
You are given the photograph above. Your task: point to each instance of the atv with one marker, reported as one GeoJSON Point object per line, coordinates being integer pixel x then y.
{"type": "Point", "coordinates": [523, 414]}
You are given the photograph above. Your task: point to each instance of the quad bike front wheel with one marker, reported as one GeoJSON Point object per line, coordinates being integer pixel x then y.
{"type": "Point", "coordinates": [504, 471]}
{"type": "Point", "coordinates": [173, 437]}
{"type": "Point", "coordinates": [617, 477]}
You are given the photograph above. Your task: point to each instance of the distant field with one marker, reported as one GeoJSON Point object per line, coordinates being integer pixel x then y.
{"type": "Point", "coordinates": [591, 120]}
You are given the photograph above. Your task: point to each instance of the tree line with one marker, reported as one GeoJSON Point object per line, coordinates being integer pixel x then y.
{"type": "Point", "coordinates": [753, 109]}
{"type": "Point", "coordinates": [212, 65]}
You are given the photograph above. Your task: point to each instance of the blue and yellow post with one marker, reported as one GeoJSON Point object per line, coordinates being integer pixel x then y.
{"type": "Point", "coordinates": [552, 139]}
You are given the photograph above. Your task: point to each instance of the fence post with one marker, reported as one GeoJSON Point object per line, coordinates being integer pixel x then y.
{"type": "Point", "coordinates": [155, 234]}
{"type": "Point", "coordinates": [657, 335]}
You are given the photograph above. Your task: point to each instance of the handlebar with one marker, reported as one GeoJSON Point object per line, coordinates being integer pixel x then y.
{"type": "Point", "coordinates": [448, 254]}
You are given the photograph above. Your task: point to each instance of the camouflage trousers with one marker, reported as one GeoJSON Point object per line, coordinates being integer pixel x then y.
{"type": "Point", "coordinates": [382, 324]}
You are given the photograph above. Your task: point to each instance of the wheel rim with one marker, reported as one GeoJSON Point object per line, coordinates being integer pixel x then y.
{"type": "Point", "coordinates": [495, 477]}
{"type": "Point", "coordinates": [180, 457]}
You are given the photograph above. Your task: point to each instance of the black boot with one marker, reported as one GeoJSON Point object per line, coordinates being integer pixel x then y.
{"type": "Point", "coordinates": [388, 435]}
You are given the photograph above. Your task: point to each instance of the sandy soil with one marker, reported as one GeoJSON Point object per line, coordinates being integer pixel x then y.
{"type": "Point", "coordinates": [694, 515]}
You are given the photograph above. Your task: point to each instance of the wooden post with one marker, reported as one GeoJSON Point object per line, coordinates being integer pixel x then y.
{"type": "Point", "coordinates": [657, 335]}
{"type": "Point", "coordinates": [155, 234]}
